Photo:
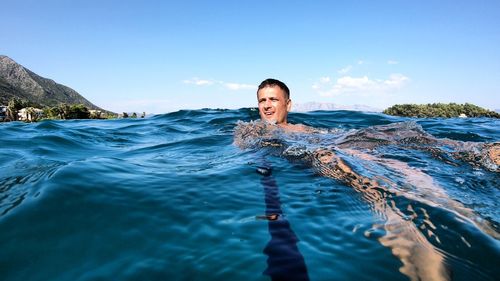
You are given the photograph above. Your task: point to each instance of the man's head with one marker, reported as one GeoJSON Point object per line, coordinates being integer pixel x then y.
{"type": "Point", "coordinates": [273, 97]}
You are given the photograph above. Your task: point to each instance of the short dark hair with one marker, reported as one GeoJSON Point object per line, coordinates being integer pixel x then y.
{"type": "Point", "coordinates": [270, 82]}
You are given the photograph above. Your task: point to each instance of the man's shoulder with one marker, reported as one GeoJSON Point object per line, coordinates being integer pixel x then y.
{"type": "Point", "coordinates": [298, 128]}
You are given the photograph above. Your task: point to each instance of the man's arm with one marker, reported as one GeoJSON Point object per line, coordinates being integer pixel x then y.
{"type": "Point", "coordinates": [421, 261]}
{"type": "Point", "coordinates": [413, 136]}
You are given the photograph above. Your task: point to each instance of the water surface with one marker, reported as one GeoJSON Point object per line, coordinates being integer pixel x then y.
{"type": "Point", "coordinates": [172, 198]}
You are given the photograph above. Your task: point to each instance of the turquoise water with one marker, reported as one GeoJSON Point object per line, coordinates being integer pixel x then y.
{"type": "Point", "coordinates": [171, 197]}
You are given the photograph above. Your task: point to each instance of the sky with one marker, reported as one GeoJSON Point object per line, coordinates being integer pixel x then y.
{"type": "Point", "coordinates": [161, 56]}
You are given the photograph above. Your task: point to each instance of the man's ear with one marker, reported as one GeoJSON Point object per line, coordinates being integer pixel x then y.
{"type": "Point", "coordinates": [289, 105]}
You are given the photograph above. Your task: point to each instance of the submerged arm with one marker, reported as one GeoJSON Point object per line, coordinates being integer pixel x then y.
{"type": "Point", "coordinates": [421, 261]}
{"type": "Point", "coordinates": [413, 136]}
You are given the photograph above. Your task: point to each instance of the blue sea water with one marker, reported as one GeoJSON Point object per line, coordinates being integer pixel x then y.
{"type": "Point", "coordinates": [171, 197]}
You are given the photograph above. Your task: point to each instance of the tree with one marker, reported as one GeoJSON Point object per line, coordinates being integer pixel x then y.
{"type": "Point", "coordinates": [79, 111]}
{"type": "Point", "coordinates": [13, 108]}
{"type": "Point", "coordinates": [53, 112]}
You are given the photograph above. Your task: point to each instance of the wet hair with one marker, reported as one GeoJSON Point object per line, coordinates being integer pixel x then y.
{"type": "Point", "coordinates": [272, 83]}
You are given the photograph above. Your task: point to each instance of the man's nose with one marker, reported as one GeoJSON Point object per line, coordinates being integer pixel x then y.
{"type": "Point", "coordinates": [268, 103]}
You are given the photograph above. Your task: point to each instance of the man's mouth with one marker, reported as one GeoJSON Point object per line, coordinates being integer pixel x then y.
{"type": "Point", "coordinates": [269, 117]}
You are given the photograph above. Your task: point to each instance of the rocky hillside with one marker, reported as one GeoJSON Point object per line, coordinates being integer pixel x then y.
{"type": "Point", "coordinates": [18, 81]}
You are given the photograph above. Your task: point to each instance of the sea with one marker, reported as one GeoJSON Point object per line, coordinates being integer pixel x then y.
{"type": "Point", "coordinates": [174, 197]}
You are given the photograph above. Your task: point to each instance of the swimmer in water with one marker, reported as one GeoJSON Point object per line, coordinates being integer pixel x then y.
{"type": "Point", "coordinates": [421, 260]}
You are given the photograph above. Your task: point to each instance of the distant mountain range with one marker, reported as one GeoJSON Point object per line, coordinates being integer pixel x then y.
{"type": "Point", "coordinates": [313, 106]}
{"type": "Point", "coordinates": [16, 81]}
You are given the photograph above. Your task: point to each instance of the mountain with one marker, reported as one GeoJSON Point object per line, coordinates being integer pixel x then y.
{"type": "Point", "coordinates": [16, 81]}
{"type": "Point", "coordinates": [313, 106]}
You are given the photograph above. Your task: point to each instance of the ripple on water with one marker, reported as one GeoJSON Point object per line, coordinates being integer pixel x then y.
{"type": "Point", "coordinates": [22, 181]}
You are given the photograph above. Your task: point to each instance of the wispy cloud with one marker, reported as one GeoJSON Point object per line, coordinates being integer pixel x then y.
{"type": "Point", "coordinates": [345, 69]}
{"type": "Point", "coordinates": [359, 85]}
{"type": "Point", "coordinates": [325, 79]}
{"type": "Point", "coordinates": [228, 85]}
{"type": "Point", "coordinates": [238, 86]}
{"type": "Point", "coordinates": [198, 82]}
{"type": "Point", "coordinates": [322, 81]}
{"type": "Point", "coordinates": [392, 62]}
{"type": "Point", "coordinates": [396, 80]}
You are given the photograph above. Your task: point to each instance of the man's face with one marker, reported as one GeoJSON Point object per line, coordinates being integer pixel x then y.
{"type": "Point", "coordinates": [273, 105]}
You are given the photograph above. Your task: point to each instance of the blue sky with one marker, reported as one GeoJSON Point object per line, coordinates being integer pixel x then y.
{"type": "Point", "coordinates": [159, 56]}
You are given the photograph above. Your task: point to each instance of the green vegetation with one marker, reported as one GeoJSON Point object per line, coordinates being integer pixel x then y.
{"type": "Point", "coordinates": [62, 111]}
{"type": "Point", "coordinates": [17, 104]}
{"type": "Point", "coordinates": [440, 110]}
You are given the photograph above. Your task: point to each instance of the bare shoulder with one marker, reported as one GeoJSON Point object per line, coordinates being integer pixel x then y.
{"type": "Point", "coordinates": [298, 128]}
{"type": "Point", "coordinates": [494, 153]}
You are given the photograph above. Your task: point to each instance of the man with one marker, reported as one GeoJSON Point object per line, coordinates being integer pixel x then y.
{"type": "Point", "coordinates": [274, 102]}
